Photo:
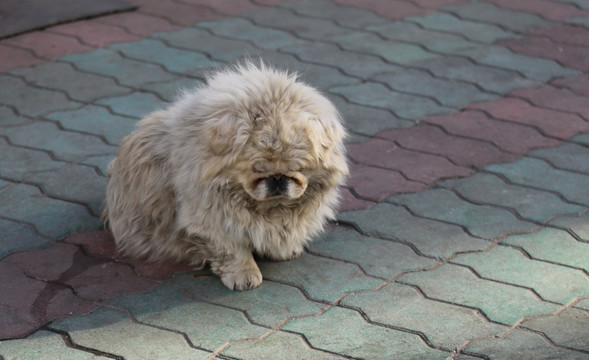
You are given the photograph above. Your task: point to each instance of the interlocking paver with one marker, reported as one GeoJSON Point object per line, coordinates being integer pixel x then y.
{"type": "Point", "coordinates": [170, 91]}
{"type": "Point", "coordinates": [94, 33]}
{"type": "Point", "coordinates": [376, 184]}
{"type": "Point", "coordinates": [537, 173]}
{"type": "Point", "coordinates": [17, 162]}
{"type": "Point", "coordinates": [393, 9]}
{"type": "Point", "coordinates": [555, 246]}
{"type": "Point", "coordinates": [564, 329]}
{"type": "Point", "coordinates": [508, 305]}
{"type": "Point", "coordinates": [533, 204]}
{"type": "Point", "coordinates": [113, 332]}
{"type": "Point", "coordinates": [168, 307]}
{"type": "Point", "coordinates": [578, 225]}
{"type": "Point", "coordinates": [379, 258]}
{"type": "Point", "coordinates": [552, 10]}
{"type": "Point", "coordinates": [345, 332]}
{"type": "Point", "coordinates": [127, 72]}
{"type": "Point", "coordinates": [567, 156]}
{"type": "Point", "coordinates": [402, 306]}
{"type": "Point", "coordinates": [578, 84]}
{"type": "Point", "coordinates": [341, 15]}
{"type": "Point", "coordinates": [558, 99]}
{"type": "Point", "coordinates": [429, 237]}
{"type": "Point", "coordinates": [525, 345]}
{"type": "Point", "coordinates": [184, 14]}
{"type": "Point", "coordinates": [10, 118]}
{"type": "Point", "coordinates": [17, 236]}
{"type": "Point", "coordinates": [48, 46]}
{"type": "Point", "coordinates": [138, 23]}
{"type": "Point", "coordinates": [481, 220]}
{"type": "Point", "coordinates": [551, 282]}
{"type": "Point", "coordinates": [137, 104]}
{"type": "Point", "coordinates": [13, 57]}
{"type": "Point", "coordinates": [43, 345]}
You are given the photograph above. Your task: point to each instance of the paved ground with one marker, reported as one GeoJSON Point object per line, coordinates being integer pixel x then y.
{"type": "Point", "coordinates": [465, 227]}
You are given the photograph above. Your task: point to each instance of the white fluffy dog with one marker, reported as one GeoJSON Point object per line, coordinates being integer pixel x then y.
{"type": "Point", "coordinates": [249, 163]}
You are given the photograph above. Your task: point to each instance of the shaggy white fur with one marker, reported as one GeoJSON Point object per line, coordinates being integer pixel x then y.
{"type": "Point", "coordinates": [250, 162]}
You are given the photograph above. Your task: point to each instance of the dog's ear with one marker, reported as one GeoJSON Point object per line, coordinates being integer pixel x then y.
{"type": "Point", "coordinates": [326, 135]}
{"type": "Point", "coordinates": [226, 134]}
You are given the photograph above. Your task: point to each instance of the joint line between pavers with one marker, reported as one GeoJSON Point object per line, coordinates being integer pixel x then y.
{"type": "Point", "coordinates": [69, 342]}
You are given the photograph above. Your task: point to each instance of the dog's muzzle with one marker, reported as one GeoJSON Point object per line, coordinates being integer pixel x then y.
{"type": "Point", "coordinates": [277, 185]}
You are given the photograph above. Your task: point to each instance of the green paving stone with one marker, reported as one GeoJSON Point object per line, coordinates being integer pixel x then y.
{"type": "Point", "coordinates": [171, 91]}
{"type": "Point", "coordinates": [219, 48]}
{"type": "Point", "coordinates": [447, 92]}
{"type": "Point", "coordinates": [344, 331]}
{"type": "Point", "coordinates": [78, 85]}
{"type": "Point", "coordinates": [289, 346]}
{"type": "Point", "coordinates": [137, 104]}
{"type": "Point", "coordinates": [51, 217]}
{"type": "Point", "coordinates": [531, 67]}
{"type": "Point", "coordinates": [112, 331]}
{"type": "Point", "coordinates": [481, 220]}
{"type": "Point", "coordinates": [127, 72]}
{"type": "Point", "coordinates": [431, 238]}
{"type": "Point", "coordinates": [554, 245]}
{"type": "Point", "coordinates": [411, 33]}
{"type": "Point", "coordinates": [322, 278]}
{"type": "Point", "coordinates": [262, 37]}
{"type": "Point", "coordinates": [444, 325]}
{"type": "Point", "coordinates": [17, 162]}
{"type": "Point", "coordinates": [583, 21]}
{"type": "Point", "coordinates": [345, 16]}
{"type": "Point", "coordinates": [567, 156]}
{"type": "Point", "coordinates": [578, 225]}
{"type": "Point", "coordinates": [583, 305]}
{"type": "Point", "coordinates": [9, 118]}
{"type": "Point", "coordinates": [582, 139]}
{"type": "Point", "coordinates": [17, 237]}
{"type": "Point", "coordinates": [583, 4]}
{"type": "Point", "coordinates": [29, 100]}
{"type": "Point", "coordinates": [393, 51]}
{"type": "Point", "coordinates": [552, 282]}
{"type": "Point", "coordinates": [475, 31]}
{"type": "Point", "coordinates": [352, 63]}
{"type": "Point", "coordinates": [380, 258]}
{"type": "Point", "coordinates": [42, 345]}
{"type": "Point", "coordinates": [268, 305]}
{"type": "Point", "coordinates": [512, 20]}
{"type": "Point", "coordinates": [206, 325]}
{"type": "Point", "coordinates": [154, 51]}
{"type": "Point", "coordinates": [537, 173]}
{"type": "Point", "coordinates": [486, 77]}
{"type": "Point", "coordinates": [100, 162]}
{"type": "Point", "coordinates": [524, 345]}
{"type": "Point", "coordinates": [536, 205]}
{"type": "Point", "coordinates": [65, 145]}
{"type": "Point", "coordinates": [403, 105]}
{"type": "Point", "coordinates": [502, 303]}
{"type": "Point", "coordinates": [95, 120]}
{"type": "Point", "coordinates": [565, 329]}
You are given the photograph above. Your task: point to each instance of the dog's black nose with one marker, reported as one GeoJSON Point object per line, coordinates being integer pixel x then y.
{"type": "Point", "coordinates": [277, 185]}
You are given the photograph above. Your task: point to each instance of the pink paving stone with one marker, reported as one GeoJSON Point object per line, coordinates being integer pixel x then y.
{"type": "Point", "coordinates": [176, 12]}
{"type": "Point", "coordinates": [393, 9]}
{"type": "Point", "coordinates": [568, 34]}
{"type": "Point", "coordinates": [555, 98]}
{"type": "Point", "coordinates": [573, 56]}
{"type": "Point", "coordinates": [435, 4]}
{"type": "Point", "coordinates": [350, 203]}
{"type": "Point", "coordinates": [48, 46]}
{"type": "Point", "coordinates": [414, 165]}
{"type": "Point", "coordinates": [551, 10]}
{"type": "Point", "coordinates": [227, 7]}
{"type": "Point", "coordinates": [578, 84]}
{"type": "Point", "coordinates": [139, 24]}
{"type": "Point", "coordinates": [511, 137]}
{"type": "Point", "coordinates": [12, 58]}
{"type": "Point", "coordinates": [94, 33]}
{"type": "Point", "coordinates": [552, 123]}
{"type": "Point", "coordinates": [47, 264]}
{"type": "Point", "coordinates": [460, 151]}
{"type": "Point", "coordinates": [377, 184]}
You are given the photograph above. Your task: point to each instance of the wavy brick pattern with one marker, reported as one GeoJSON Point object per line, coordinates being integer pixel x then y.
{"type": "Point", "coordinates": [463, 231]}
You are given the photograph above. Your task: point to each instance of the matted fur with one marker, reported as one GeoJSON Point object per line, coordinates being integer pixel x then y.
{"type": "Point", "coordinates": [249, 163]}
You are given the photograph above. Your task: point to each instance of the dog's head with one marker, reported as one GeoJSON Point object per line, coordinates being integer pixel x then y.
{"type": "Point", "coordinates": [276, 137]}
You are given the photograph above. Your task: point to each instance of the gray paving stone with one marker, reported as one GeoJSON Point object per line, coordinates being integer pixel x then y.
{"type": "Point", "coordinates": [65, 145]}
{"type": "Point", "coordinates": [536, 205]}
{"type": "Point", "coordinates": [17, 237]}
{"type": "Point", "coordinates": [96, 120]}
{"type": "Point", "coordinates": [172, 59]}
{"type": "Point", "coordinates": [552, 282]}
{"type": "Point", "coordinates": [168, 307]}
{"type": "Point", "coordinates": [379, 258]}
{"type": "Point", "coordinates": [29, 100]}
{"type": "Point", "coordinates": [170, 91]}
{"type": "Point", "coordinates": [51, 217]}
{"type": "Point", "coordinates": [127, 72]}
{"type": "Point", "coordinates": [17, 162]}
{"type": "Point", "coordinates": [43, 345]}
{"type": "Point", "coordinates": [555, 246]}
{"type": "Point", "coordinates": [112, 331]}
{"type": "Point", "coordinates": [475, 31]}
{"type": "Point", "coordinates": [583, 21]}
{"type": "Point", "coordinates": [531, 67]}
{"type": "Point", "coordinates": [567, 156]}
{"type": "Point", "coordinates": [564, 329]}
{"type": "Point", "coordinates": [268, 305]}
{"type": "Point", "coordinates": [341, 15]}
{"type": "Point", "coordinates": [323, 279]}
{"type": "Point", "coordinates": [345, 332]}
{"type": "Point", "coordinates": [499, 302]}
{"type": "Point", "coordinates": [481, 220]}
{"type": "Point", "coordinates": [444, 325]}
{"type": "Point", "coordinates": [137, 104]}
{"type": "Point", "coordinates": [449, 93]}
{"type": "Point", "coordinates": [578, 225]}
{"type": "Point", "coordinates": [537, 173]}
{"type": "Point", "coordinates": [78, 85]}
{"type": "Point", "coordinates": [9, 118]}
{"type": "Point", "coordinates": [100, 162]}
{"type": "Point", "coordinates": [405, 106]}
{"type": "Point", "coordinates": [431, 238]}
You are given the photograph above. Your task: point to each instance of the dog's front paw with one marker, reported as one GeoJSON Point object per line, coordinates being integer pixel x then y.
{"type": "Point", "coordinates": [243, 280]}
